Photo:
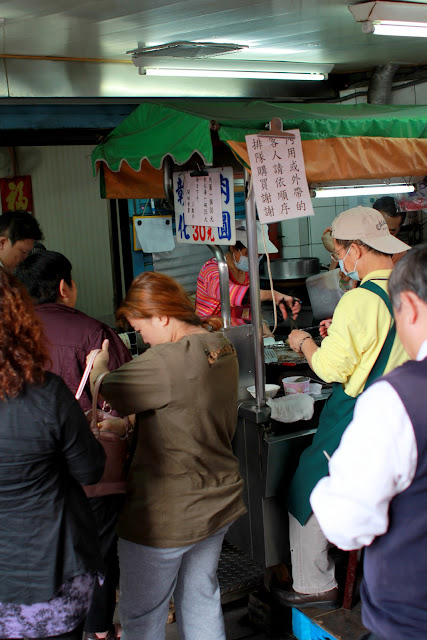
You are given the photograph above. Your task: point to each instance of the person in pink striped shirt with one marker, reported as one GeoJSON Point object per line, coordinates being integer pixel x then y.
{"type": "Point", "coordinates": [208, 302]}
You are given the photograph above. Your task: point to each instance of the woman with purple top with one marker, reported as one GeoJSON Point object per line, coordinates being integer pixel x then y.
{"type": "Point", "coordinates": [49, 556]}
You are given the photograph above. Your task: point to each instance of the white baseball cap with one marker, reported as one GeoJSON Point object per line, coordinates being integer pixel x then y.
{"type": "Point", "coordinates": [242, 237]}
{"type": "Point", "coordinates": [369, 226]}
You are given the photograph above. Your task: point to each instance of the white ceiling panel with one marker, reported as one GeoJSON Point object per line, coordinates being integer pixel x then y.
{"type": "Point", "coordinates": [308, 31]}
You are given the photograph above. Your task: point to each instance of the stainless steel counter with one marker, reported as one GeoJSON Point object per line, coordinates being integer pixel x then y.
{"type": "Point", "coordinates": [268, 452]}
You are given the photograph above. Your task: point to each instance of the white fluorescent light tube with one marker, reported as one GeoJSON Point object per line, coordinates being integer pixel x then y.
{"type": "Point", "coordinates": [211, 73]}
{"type": "Point", "coordinates": [339, 192]}
{"type": "Point", "coordinates": [415, 30]}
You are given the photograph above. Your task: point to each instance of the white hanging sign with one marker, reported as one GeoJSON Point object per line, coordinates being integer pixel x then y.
{"type": "Point", "coordinates": [278, 177]}
{"type": "Point", "coordinates": [202, 197]}
{"type": "Point", "coordinates": [222, 229]}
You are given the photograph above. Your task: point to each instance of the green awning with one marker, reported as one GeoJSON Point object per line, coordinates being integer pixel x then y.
{"type": "Point", "coordinates": [181, 128]}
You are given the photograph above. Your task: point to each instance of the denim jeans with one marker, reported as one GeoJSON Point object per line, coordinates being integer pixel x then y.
{"type": "Point", "coordinates": [148, 578]}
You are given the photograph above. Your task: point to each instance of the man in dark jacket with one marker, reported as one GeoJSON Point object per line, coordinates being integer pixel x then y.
{"type": "Point", "coordinates": [71, 336]}
{"type": "Point", "coordinates": [376, 490]}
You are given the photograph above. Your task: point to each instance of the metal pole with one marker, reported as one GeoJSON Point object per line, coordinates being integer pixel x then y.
{"type": "Point", "coordinates": [167, 180]}
{"type": "Point", "coordinates": [254, 289]}
{"type": "Point", "coordinates": [224, 287]}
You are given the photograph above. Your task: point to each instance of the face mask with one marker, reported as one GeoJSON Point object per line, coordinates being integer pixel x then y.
{"type": "Point", "coordinates": [243, 263]}
{"type": "Point", "coordinates": [351, 274]}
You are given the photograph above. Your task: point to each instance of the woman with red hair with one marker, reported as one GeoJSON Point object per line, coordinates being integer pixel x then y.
{"type": "Point", "coordinates": [184, 486]}
{"type": "Point", "coordinates": [49, 554]}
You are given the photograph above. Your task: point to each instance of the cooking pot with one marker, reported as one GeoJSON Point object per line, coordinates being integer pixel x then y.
{"type": "Point", "coordinates": [293, 268]}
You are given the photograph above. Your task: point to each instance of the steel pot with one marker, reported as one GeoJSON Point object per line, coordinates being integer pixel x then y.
{"type": "Point", "coordinates": [293, 268]}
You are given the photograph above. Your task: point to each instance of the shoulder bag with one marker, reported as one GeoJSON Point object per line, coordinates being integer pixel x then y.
{"type": "Point", "coordinates": [116, 447]}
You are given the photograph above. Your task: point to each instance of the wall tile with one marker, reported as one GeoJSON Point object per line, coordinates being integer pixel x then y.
{"type": "Point", "coordinates": [319, 222]}
{"type": "Point", "coordinates": [319, 251]}
{"type": "Point", "coordinates": [303, 230]}
{"type": "Point", "coordinates": [292, 252]}
{"type": "Point", "coordinates": [290, 233]}
{"type": "Point", "coordinates": [322, 203]}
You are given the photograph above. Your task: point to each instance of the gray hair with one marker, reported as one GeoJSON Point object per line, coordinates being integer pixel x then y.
{"type": "Point", "coordinates": [409, 274]}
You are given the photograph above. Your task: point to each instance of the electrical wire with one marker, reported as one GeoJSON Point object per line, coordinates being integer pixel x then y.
{"type": "Point", "coordinates": [270, 279]}
{"type": "Point", "coordinates": [268, 259]}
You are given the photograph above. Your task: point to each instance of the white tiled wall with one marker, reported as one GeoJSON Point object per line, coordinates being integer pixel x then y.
{"type": "Point", "coordinates": [290, 238]}
{"type": "Point", "coordinates": [301, 237]}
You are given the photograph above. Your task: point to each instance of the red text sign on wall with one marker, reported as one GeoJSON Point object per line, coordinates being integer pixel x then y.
{"type": "Point", "coordinates": [16, 194]}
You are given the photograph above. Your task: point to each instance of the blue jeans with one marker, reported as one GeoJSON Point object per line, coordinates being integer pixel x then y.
{"type": "Point", "coordinates": [148, 578]}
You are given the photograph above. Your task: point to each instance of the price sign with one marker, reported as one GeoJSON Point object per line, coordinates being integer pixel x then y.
{"type": "Point", "coordinates": [202, 233]}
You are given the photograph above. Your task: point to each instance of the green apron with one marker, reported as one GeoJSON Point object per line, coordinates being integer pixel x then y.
{"type": "Point", "coordinates": [334, 419]}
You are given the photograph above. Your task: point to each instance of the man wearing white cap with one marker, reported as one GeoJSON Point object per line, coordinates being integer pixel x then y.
{"type": "Point", "coordinates": [361, 345]}
{"type": "Point", "coordinates": [208, 301]}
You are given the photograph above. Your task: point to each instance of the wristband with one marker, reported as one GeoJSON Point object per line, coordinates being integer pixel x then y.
{"type": "Point", "coordinates": [300, 344]}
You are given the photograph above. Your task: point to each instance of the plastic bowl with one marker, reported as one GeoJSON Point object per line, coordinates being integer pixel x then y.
{"type": "Point", "coordinates": [296, 384]}
{"type": "Point", "coordinates": [270, 390]}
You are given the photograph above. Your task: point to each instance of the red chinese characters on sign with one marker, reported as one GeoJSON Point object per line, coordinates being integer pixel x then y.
{"type": "Point", "coordinates": [16, 194]}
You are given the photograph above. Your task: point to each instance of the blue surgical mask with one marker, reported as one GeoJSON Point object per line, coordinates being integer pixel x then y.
{"type": "Point", "coordinates": [243, 263]}
{"type": "Point", "coordinates": [351, 274]}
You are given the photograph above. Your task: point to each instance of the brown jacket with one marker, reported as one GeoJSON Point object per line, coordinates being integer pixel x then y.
{"type": "Point", "coordinates": [184, 482]}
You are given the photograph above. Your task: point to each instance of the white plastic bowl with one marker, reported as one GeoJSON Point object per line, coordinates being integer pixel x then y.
{"type": "Point", "coordinates": [270, 390]}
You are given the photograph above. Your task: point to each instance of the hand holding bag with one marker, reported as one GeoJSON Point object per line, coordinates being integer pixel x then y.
{"type": "Point", "coordinates": [116, 447]}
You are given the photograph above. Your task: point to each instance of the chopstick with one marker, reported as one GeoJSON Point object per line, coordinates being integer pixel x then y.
{"type": "Point", "coordinates": [310, 328]}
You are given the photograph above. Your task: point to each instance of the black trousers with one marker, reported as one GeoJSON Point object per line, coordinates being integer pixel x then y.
{"type": "Point", "coordinates": [369, 636]}
{"type": "Point", "coordinates": [101, 612]}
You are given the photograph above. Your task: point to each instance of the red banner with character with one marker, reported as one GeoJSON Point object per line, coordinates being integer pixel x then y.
{"type": "Point", "coordinates": [16, 194]}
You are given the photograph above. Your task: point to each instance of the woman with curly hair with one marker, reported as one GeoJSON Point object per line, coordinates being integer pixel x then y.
{"type": "Point", "coordinates": [49, 554]}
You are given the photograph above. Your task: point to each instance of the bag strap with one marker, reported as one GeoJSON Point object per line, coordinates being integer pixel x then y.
{"type": "Point", "coordinates": [383, 356]}
{"type": "Point", "coordinates": [98, 383]}
{"type": "Point", "coordinates": [86, 373]}
{"type": "Point", "coordinates": [372, 286]}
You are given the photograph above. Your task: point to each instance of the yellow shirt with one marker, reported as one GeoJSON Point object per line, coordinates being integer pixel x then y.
{"type": "Point", "coordinates": [355, 338]}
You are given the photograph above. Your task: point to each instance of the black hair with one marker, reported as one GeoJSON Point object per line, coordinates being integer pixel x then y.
{"type": "Point", "coordinates": [19, 225]}
{"type": "Point", "coordinates": [409, 274]}
{"type": "Point", "coordinates": [239, 245]}
{"type": "Point", "coordinates": [41, 274]}
{"type": "Point", "coordinates": [387, 205]}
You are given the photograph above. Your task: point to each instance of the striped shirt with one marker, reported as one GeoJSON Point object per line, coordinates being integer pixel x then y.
{"type": "Point", "coordinates": [208, 300]}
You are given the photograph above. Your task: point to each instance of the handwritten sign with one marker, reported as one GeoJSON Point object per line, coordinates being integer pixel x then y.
{"type": "Point", "coordinates": [202, 197]}
{"type": "Point", "coordinates": [278, 175]}
{"type": "Point", "coordinates": [223, 233]}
